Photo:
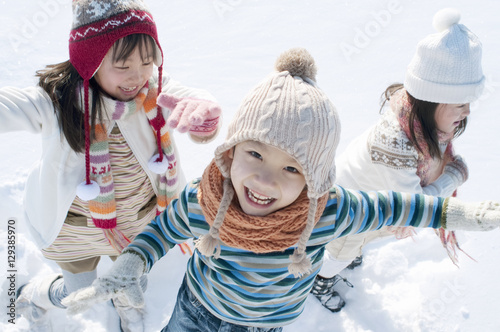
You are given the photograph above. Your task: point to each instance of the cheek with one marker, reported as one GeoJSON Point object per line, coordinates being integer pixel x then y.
{"type": "Point", "coordinates": [107, 79]}
{"type": "Point", "coordinates": [149, 72]}
{"type": "Point", "coordinates": [237, 170]}
{"type": "Point", "coordinates": [292, 189]}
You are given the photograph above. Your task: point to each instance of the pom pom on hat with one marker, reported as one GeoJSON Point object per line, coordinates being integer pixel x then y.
{"type": "Point", "coordinates": [302, 122]}
{"type": "Point", "coordinates": [446, 68]}
{"type": "Point", "coordinates": [298, 62]}
{"type": "Point", "coordinates": [445, 18]}
{"type": "Point", "coordinates": [88, 192]}
{"type": "Point", "coordinates": [156, 166]}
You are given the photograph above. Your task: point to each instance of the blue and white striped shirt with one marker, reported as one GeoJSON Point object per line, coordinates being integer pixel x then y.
{"type": "Point", "coordinates": [246, 288]}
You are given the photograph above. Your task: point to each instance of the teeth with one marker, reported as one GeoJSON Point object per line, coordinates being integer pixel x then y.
{"type": "Point", "coordinates": [129, 89]}
{"type": "Point", "coordinates": [259, 199]}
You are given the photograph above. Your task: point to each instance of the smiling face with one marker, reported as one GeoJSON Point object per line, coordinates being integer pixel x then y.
{"type": "Point", "coordinates": [265, 178]}
{"type": "Point", "coordinates": [122, 79]}
{"type": "Point", "coordinates": [449, 116]}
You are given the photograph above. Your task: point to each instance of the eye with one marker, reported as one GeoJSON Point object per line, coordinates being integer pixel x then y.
{"type": "Point", "coordinates": [147, 63]}
{"type": "Point", "coordinates": [255, 154]}
{"type": "Point", "coordinates": [292, 169]}
{"type": "Point", "coordinates": [121, 68]}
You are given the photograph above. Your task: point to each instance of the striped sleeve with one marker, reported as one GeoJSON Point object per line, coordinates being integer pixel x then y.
{"type": "Point", "coordinates": [171, 227]}
{"type": "Point", "coordinates": [360, 211]}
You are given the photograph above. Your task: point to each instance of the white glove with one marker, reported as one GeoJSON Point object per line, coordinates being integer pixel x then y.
{"type": "Point", "coordinates": [121, 280]}
{"type": "Point", "coordinates": [458, 169]}
{"type": "Point", "coordinates": [455, 173]}
{"type": "Point", "coordinates": [483, 216]}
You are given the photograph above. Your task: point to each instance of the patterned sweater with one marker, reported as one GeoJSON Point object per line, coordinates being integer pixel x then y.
{"type": "Point", "coordinates": [252, 289]}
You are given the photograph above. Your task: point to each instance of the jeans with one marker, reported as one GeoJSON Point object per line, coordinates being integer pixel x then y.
{"type": "Point", "coordinates": [191, 316]}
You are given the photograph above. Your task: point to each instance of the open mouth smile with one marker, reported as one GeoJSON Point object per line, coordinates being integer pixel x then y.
{"type": "Point", "coordinates": [258, 198]}
{"type": "Point", "coordinates": [129, 89]}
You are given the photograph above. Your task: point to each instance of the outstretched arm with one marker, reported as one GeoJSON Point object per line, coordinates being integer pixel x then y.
{"type": "Point", "coordinates": [165, 231]}
{"type": "Point", "coordinates": [191, 110]}
{"type": "Point", "coordinates": [359, 211]}
{"type": "Point", "coordinates": [26, 110]}
{"type": "Point", "coordinates": [197, 116]}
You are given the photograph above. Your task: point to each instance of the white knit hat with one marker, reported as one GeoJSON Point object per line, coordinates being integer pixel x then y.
{"type": "Point", "coordinates": [288, 111]}
{"type": "Point", "coordinates": [447, 65]}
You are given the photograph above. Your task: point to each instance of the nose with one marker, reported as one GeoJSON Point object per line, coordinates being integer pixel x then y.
{"type": "Point", "coordinates": [265, 178]}
{"type": "Point", "coordinates": [135, 75]}
{"type": "Point", "coordinates": [466, 111]}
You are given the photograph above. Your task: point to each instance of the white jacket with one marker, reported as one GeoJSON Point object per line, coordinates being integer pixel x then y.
{"type": "Point", "coordinates": [382, 158]}
{"type": "Point", "coordinates": [51, 185]}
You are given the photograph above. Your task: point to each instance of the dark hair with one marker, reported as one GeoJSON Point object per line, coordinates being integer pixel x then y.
{"type": "Point", "coordinates": [424, 112]}
{"type": "Point", "coordinates": [62, 83]}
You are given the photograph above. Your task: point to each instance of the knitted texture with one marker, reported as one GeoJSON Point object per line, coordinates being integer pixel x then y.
{"type": "Point", "coordinates": [122, 279]}
{"type": "Point", "coordinates": [274, 232]}
{"type": "Point", "coordinates": [288, 111]}
{"type": "Point", "coordinates": [103, 207]}
{"type": "Point", "coordinates": [447, 65]}
{"type": "Point", "coordinates": [294, 115]}
{"type": "Point", "coordinates": [483, 216]}
{"type": "Point", "coordinates": [97, 25]}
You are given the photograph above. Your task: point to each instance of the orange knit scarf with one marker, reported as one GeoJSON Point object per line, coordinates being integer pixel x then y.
{"type": "Point", "coordinates": [260, 234]}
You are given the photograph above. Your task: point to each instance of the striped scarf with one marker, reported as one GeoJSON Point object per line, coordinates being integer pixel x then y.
{"type": "Point", "coordinates": [401, 106]}
{"type": "Point", "coordinates": [103, 207]}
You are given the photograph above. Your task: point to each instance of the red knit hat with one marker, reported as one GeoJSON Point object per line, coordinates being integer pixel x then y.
{"type": "Point", "coordinates": [97, 25]}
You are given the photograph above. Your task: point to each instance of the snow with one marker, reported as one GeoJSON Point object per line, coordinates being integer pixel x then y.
{"type": "Point", "coordinates": [228, 46]}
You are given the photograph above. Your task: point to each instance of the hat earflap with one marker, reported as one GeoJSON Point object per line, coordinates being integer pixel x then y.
{"type": "Point", "coordinates": [210, 242]}
{"type": "Point", "coordinates": [301, 264]}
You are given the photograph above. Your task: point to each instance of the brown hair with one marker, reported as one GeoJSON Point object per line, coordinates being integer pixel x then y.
{"type": "Point", "coordinates": [62, 83]}
{"type": "Point", "coordinates": [424, 112]}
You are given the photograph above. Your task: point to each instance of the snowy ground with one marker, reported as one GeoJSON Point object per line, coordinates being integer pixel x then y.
{"type": "Point", "coordinates": [226, 47]}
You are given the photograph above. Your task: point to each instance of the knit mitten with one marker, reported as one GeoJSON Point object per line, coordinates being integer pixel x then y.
{"type": "Point", "coordinates": [455, 173]}
{"type": "Point", "coordinates": [483, 216]}
{"type": "Point", "coordinates": [199, 117]}
{"type": "Point", "coordinates": [457, 169]}
{"type": "Point", "coordinates": [121, 279]}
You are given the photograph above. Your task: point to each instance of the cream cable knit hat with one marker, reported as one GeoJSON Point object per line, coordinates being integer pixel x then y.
{"type": "Point", "coordinates": [447, 65]}
{"type": "Point", "coordinates": [288, 111]}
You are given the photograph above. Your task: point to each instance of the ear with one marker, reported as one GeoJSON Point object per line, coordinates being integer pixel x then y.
{"type": "Point", "coordinates": [230, 153]}
{"type": "Point", "coordinates": [228, 157]}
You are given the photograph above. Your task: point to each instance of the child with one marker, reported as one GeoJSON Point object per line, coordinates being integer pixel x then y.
{"type": "Point", "coordinates": [410, 148]}
{"type": "Point", "coordinates": [263, 212]}
{"type": "Point", "coordinates": [99, 120]}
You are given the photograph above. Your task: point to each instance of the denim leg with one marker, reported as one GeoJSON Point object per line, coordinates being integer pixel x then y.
{"type": "Point", "coordinates": [191, 316]}
{"type": "Point", "coordinates": [228, 327]}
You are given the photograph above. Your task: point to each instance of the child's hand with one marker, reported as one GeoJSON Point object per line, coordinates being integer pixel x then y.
{"type": "Point", "coordinates": [121, 280]}
{"type": "Point", "coordinates": [199, 117]}
{"type": "Point", "coordinates": [484, 216]}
